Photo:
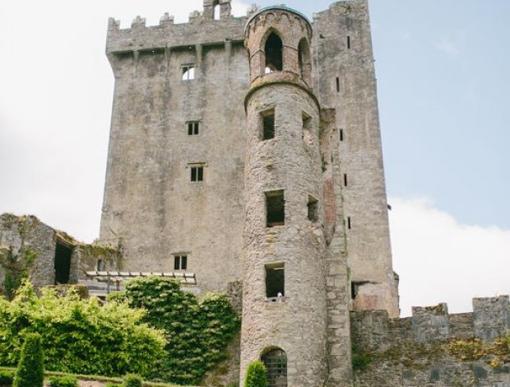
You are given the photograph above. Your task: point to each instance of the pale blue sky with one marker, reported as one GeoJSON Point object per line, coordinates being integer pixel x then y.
{"type": "Point", "coordinates": [443, 70]}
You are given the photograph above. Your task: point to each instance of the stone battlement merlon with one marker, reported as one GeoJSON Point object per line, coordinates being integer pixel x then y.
{"type": "Point", "coordinates": [201, 29]}
{"type": "Point", "coordinates": [490, 319]}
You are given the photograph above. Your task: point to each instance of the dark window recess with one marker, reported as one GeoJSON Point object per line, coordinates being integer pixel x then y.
{"type": "Point", "coordinates": [100, 265]}
{"type": "Point", "coordinates": [197, 173]}
{"type": "Point", "coordinates": [355, 288]}
{"type": "Point", "coordinates": [275, 281]}
{"type": "Point", "coordinates": [275, 208]}
{"type": "Point", "coordinates": [337, 85]}
{"type": "Point", "coordinates": [180, 262]}
{"type": "Point", "coordinates": [341, 134]}
{"type": "Point", "coordinates": [268, 125]}
{"type": "Point", "coordinates": [274, 53]}
{"type": "Point", "coordinates": [193, 128]}
{"type": "Point", "coordinates": [313, 209]}
{"type": "Point", "coordinates": [276, 366]}
{"type": "Point", "coordinates": [349, 42]}
{"type": "Point", "coordinates": [345, 179]}
{"type": "Point", "coordinates": [349, 222]}
{"type": "Point", "coordinates": [62, 263]}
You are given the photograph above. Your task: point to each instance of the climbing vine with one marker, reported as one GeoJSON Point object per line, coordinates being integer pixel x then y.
{"type": "Point", "coordinates": [197, 332]}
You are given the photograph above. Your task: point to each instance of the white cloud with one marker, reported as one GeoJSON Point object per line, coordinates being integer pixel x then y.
{"type": "Point", "coordinates": [441, 260]}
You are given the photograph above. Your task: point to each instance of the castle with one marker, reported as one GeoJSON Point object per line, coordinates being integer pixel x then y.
{"type": "Point", "coordinates": [246, 151]}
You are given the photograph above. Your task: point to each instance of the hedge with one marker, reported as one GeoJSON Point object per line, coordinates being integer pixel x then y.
{"type": "Point", "coordinates": [30, 371]}
{"type": "Point", "coordinates": [79, 336]}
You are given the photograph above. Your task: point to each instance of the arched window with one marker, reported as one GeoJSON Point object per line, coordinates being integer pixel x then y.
{"type": "Point", "coordinates": [274, 53]}
{"type": "Point", "coordinates": [100, 266]}
{"type": "Point", "coordinates": [216, 10]}
{"type": "Point", "coordinates": [304, 59]}
{"type": "Point", "coordinates": [275, 361]}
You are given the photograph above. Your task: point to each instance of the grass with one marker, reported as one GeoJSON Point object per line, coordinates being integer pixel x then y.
{"type": "Point", "coordinates": [99, 378]}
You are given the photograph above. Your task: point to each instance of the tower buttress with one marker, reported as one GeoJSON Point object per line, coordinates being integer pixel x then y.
{"type": "Point", "coordinates": [285, 309]}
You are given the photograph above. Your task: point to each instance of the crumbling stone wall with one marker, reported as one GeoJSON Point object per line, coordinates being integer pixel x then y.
{"type": "Point", "coordinates": [28, 250]}
{"type": "Point", "coordinates": [434, 348]}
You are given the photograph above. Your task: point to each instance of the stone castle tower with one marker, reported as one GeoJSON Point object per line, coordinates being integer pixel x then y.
{"type": "Point", "coordinates": [248, 149]}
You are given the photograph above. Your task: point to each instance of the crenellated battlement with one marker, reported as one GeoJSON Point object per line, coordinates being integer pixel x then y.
{"type": "Point", "coordinates": [201, 29]}
{"type": "Point", "coordinates": [374, 330]}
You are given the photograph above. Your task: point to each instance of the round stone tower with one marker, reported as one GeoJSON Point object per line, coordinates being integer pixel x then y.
{"type": "Point", "coordinates": [284, 296]}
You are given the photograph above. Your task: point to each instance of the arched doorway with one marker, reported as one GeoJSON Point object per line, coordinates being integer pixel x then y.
{"type": "Point", "coordinates": [275, 361]}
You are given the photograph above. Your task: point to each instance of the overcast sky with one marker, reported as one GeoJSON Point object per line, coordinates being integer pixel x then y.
{"type": "Point", "coordinates": [443, 77]}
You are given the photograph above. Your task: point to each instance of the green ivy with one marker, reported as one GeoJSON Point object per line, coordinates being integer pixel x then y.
{"type": "Point", "coordinates": [197, 333]}
{"type": "Point", "coordinates": [79, 336]}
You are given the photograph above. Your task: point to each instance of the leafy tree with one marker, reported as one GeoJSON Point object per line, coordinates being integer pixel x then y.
{"type": "Point", "coordinates": [79, 336]}
{"type": "Point", "coordinates": [256, 375]}
{"type": "Point", "coordinates": [30, 371]}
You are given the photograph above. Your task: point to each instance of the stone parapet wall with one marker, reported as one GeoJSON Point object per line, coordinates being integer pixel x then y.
{"type": "Point", "coordinates": [434, 348]}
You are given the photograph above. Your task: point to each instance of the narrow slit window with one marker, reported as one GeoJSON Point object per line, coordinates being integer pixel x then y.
{"type": "Point", "coordinates": [193, 128]}
{"type": "Point", "coordinates": [268, 124]}
{"type": "Point", "coordinates": [349, 225]}
{"type": "Point", "coordinates": [100, 266]}
{"type": "Point", "coordinates": [341, 134]}
{"type": "Point", "coordinates": [313, 209]}
{"type": "Point", "coordinates": [275, 281]}
{"type": "Point", "coordinates": [345, 179]}
{"type": "Point", "coordinates": [275, 208]}
{"type": "Point", "coordinates": [180, 262]}
{"type": "Point", "coordinates": [337, 84]}
{"type": "Point", "coordinates": [188, 72]}
{"type": "Point", "coordinates": [349, 42]}
{"type": "Point", "coordinates": [197, 173]}
{"type": "Point", "coordinates": [307, 129]}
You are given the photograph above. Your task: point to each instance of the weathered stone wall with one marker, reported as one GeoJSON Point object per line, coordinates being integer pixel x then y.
{"type": "Point", "coordinates": [433, 348]}
{"type": "Point", "coordinates": [150, 203]}
{"type": "Point", "coordinates": [28, 249]}
{"type": "Point", "coordinates": [344, 76]}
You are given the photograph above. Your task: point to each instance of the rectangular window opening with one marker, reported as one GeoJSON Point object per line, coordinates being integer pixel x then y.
{"type": "Point", "coordinates": [349, 42]}
{"type": "Point", "coordinates": [349, 222]}
{"type": "Point", "coordinates": [193, 128]}
{"type": "Point", "coordinates": [268, 124]}
{"type": "Point", "coordinates": [341, 134]}
{"type": "Point", "coordinates": [197, 173]}
{"type": "Point", "coordinates": [355, 288]}
{"type": "Point", "coordinates": [180, 262]}
{"type": "Point", "coordinates": [337, 85]}
{"type": "Point", "coordinates": [188, 72]}
{"type": "Point", "coordinates": [313, 209]}
{"type": "Point", "coordinates": [275, 208]}
{"type": "Point", "coordinates": [62, 263]}
{"type": "Point", "coordinates": [345, 179]}
{"type": "Point", "coordinates": [275, 281]}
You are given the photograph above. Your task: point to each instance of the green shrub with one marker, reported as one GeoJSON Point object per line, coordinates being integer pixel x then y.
{"type": "Point", "coordinates": [79, 336]}
{"type": "Point", "coordinates": [132, 381]}
{"type": "Point", "coordinates": [30, 371]}
{"type": "Point", "coordinates": [256, 375]}
{"type": "Point", "coordinates": [197, 332]}
{"type": "Point", "coordinates": [110, 384]}
{"type": "Point", "coordinates": [63, 381]}
{"type": "Point", "coordinates": [6, 377]}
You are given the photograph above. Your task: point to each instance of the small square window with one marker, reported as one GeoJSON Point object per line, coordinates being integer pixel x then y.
{"type": "Point", "coordinates": [180, 262]}
{"type": "Point", "coordinates": [193, 128]}
{"type": "Point", "coordinates": [275, 208]}
{"type": "Point", "coordinates": [188, 72]}
{"type": "Point", "coordinates": [268, 124]}
{"type": "Point", "coordinates": [197, 173]}
{"type": "Point", "coordinates": [275, 281]}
